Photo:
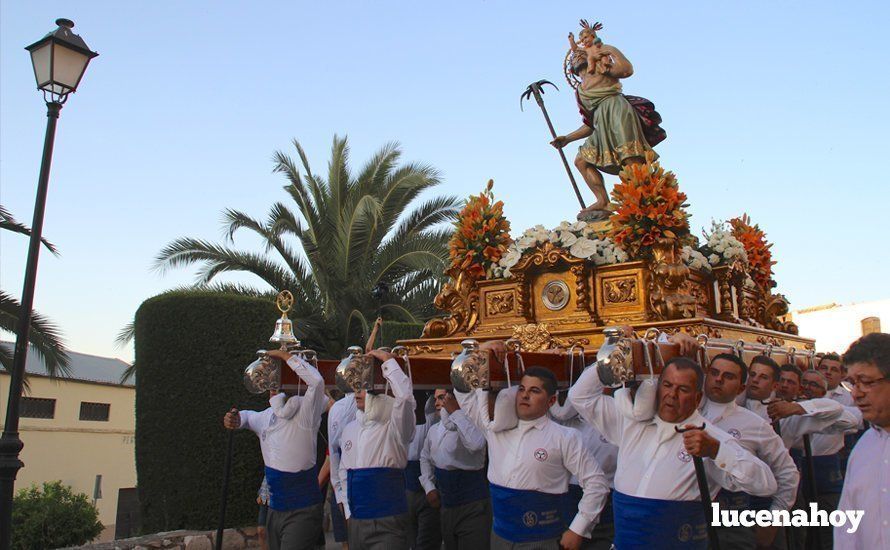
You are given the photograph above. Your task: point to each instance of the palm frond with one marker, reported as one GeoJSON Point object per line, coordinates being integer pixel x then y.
{"type": "Point", "coordinates": [9, 223]}
{"type": "Point", "coordinates": [43, 337]}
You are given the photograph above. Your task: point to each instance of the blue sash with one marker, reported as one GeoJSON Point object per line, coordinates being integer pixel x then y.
{"type": "Point", "coordinates": [376, 492]}
{"type": "Point", "coordinates": [829, 478]}
{"type": "Point", "coordinates": [570, 507]}
{"type": "Point", "coordinates": [664, 524]}
{"type": "Point", "coordinates": [412, 477]}
{"type": "Point", "coordinates": [292, 490]}
{"type": "Point", "coordinates": [734, 500]}
{"type": "Point", "coordinates": [526, 516]}
{"type": "Point", "coordinates": [460, 487]}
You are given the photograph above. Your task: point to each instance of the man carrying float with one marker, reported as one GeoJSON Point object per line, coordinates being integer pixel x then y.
{"type": "Point", "coordinates": [287, 432]}
{"type": "Point", "coordinates": [656, 498]}
{"type": "Point", "coordinates": [452, 466]}
{"type": "Point", "coordinates": [374, 454]}
{"type": "Point", "coordinates": [531, 461]}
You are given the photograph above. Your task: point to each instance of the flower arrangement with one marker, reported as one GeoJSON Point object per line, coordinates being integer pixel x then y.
{"type": "Point", "coordinates": [650, 207]}
{"type": "Point", "coordinates": [760, 259]}
{"type": "Point", "coordinates": [579, 238]}
{"type": "Point", "coordinates": [721, 247]}
{"type": "Point", "coordinates": [481, 236]}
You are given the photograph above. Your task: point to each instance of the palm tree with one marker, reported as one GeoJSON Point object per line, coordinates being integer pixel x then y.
{"type": "Point", "coordinates": [351, 238]}
{"type": "Point", "coordinates": [44, 337]}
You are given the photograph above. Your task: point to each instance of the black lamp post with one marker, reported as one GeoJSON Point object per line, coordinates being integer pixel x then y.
{"type": "Point", "coordinates": [60, 58]}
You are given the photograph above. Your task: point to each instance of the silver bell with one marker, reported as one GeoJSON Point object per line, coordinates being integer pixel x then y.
{"type": "Point", "coordinates": [263, 375]}
{"type": "Point", "coordinates": [284, 332]}
{"type": "Point", "coordinates": [355, 372]}
{"type": "Point", "coordinates": [614, 359]}
{"type": "Point", "coordinates": [469, 368]}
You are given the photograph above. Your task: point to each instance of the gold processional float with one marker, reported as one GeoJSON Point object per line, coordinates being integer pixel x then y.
{"type": "Point", "coordinates": [560, 297]}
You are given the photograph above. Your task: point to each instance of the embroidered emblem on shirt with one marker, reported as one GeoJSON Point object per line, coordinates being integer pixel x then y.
{"type": "Point", "coordinates": [684, 533]}
{"type": "Point", "coordinates": [603, 439]}
{"type": "Point", "coordinates": [540, 455]}
{"type": "Point", "coordinates": [735, 433]}
{"type": "Point", "coordinates": [347, 446]}
{"type": "Point", "coordinates": [683, 456]}
{"type": "Point", "coordinates": [334, 426]}
{"type": "Point", "coordinates": [530, 519]}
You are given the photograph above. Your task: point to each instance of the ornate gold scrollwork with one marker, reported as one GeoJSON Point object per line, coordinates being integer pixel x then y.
{"type": "Point", "coordinates": [668, 275]}
{"type": "Point", "coordinates": [500, 303]}
{"type": "Point", "coordinates": [537, 337]}
{"type": "Point", "coordinates": [460, 299]}
{"type": "Point", "coordinates": [620, 290]}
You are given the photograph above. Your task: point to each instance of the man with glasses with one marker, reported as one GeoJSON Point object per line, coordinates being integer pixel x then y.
{"type": "Point", "coordinates": [867, 486]}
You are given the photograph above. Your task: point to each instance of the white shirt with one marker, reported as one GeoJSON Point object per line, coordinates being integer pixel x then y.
{"type": "Point", "coordinates": [758, 437]}
{"type": "Point", "coordinates": [652, 460]}
{"type": "Point", "coordinates": [421, 430]}
{"type": "Point", "coordinates": [844, 397]}
{"type": "Point", "coordinates": [378, 437]}
{"type": "Point", "coordinates": [867, 487]}
{"type": "Point", "coordinates": [537, 455]}
{"type": "Point", "coordinates": [454, 443]}
{"type": "Point", "coordinates": [825, 420]}
{"type": "Point", "coordinates": [289, 427]}
{"type": "Point", "coordinates": [605, 453]}
{"type": "Point", "coordinates": [342, 413]}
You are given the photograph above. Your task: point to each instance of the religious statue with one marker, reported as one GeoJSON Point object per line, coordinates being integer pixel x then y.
{"type": "Point", "coordinates": [619, 129]}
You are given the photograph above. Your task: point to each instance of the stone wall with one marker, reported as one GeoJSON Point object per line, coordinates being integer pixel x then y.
{"type": "Point", "coordinates": [233, 539]}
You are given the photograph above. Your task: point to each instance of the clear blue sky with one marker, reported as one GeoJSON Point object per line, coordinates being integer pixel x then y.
{"type": "Point", "coordinates": [777, 109]}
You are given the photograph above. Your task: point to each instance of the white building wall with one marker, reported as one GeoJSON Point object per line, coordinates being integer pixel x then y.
{"type": "Point", "coordinates": [836, 327]}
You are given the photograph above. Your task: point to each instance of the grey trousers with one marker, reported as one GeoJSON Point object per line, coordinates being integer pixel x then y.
{"type": "Point", "coordinates": [389, 533]}
{"type": "Point", "coordinates": [294, 529]}
{"type": "Point", "coordinates": [498, 543]}
{"type": "Point", "coordinates": [738, 537]}
{"type": "Point", "coordinates": [424, 530]}
{"type": "Point", "coordinates": [827, 502]}
{"type": "Point", "coordinates": [601, 538]}
{"type": "Point", "coordinates": [468, 526]}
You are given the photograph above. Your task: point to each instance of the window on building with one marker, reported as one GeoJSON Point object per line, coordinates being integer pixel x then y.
{"type": "Point", "coordinates": [871, 324]}
{"type": "Point", "coordinates": [37, 407]}
{"type": "Point", "coordinates": [94, 411]}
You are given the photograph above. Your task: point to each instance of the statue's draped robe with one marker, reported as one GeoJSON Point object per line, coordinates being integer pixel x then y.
{"type": "Point", "coordinates": [623, 127]}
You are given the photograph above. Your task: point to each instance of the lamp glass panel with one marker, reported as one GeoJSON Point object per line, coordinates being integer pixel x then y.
{"type": "Point", "coordinates": [68, 66]}
{"type": "Point", "coordinates": [40, 60]}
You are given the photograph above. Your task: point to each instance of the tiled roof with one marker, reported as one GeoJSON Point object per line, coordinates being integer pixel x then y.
{"type": "Point", "coordinates": [87, 368]}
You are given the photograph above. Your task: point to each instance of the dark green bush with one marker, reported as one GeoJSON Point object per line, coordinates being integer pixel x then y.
{"type": "Point", "coordinates": [191, 349]}
{"type": "Point", "coordinates": [53, 517]}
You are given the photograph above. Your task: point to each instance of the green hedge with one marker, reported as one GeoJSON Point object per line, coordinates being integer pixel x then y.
{"type": "Point", "coordinates": [191, 348]}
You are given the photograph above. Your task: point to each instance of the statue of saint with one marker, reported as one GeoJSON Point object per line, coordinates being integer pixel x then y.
{"type": "Point", "coordinates": [619, 129]}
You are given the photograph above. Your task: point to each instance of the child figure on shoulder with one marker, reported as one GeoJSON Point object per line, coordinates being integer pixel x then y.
{"type": "Point", "coordinates": [598, 60]}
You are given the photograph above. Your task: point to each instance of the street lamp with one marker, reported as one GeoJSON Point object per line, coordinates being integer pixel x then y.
{"type": "Point", "coordinates": [60, 58]}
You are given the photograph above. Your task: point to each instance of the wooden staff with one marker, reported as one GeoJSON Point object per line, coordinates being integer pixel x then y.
{"type": "Point", "coordinates": [370, 345]}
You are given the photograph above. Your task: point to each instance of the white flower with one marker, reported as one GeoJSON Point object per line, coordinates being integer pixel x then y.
{"type": "Point", "coordinates": [582, 248]}
{"type": "Point", "coordinates": [511, 258]}
{"type": "Point", "coordinates": [526, 242]}
{"type": "Point", "coordinates": [714, 259]}
{"type": "Point", "coordinates": [568, 239]}
{"type": "Point", "coordinates": [579, 226]}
